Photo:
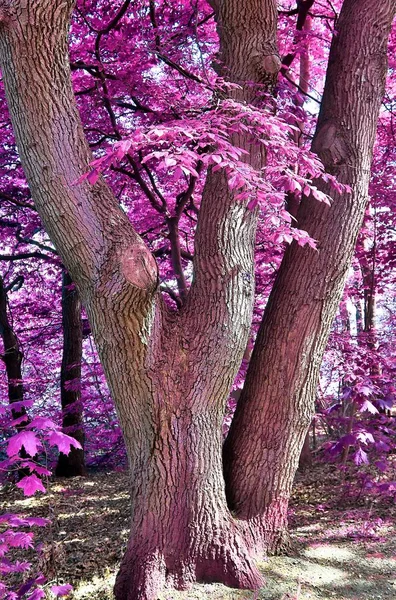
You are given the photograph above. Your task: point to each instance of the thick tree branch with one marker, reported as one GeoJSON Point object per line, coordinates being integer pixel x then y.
{"type": "Point", "coordinates": [283, 373]}
{"type": "Point", "coordinates": [88, 227]}
{"type": "Point", "coordinates": [223, 256]}
{"type": "Point", "coordinates": [16, 201]}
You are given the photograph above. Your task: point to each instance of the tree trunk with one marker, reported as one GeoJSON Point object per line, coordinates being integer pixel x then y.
{"type": "Point", "coordinates": [12, 359]}
{"type": "Point", "coordinates": [12, 356]}
{"type": "Point", "coordinates": [305, 460]}
{"type": "Point", "coordinates": [72, 464]}
{"type": "Point", "coordinates": [181, 528]}
{"type": "Point", "coordinates": [169, 372]}
{"type": "Point", "coordinates": [277, 403]}
{"type": "Point", "coordinates": [367, 261]}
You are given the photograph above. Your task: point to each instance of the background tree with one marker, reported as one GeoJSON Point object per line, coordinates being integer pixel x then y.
{"type": "Point", "coordinates": [12, 357]}
{"type": "Point", "coordinates": [72, 464]}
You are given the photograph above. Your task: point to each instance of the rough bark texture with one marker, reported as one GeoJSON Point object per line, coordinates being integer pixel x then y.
{"type": "Point", "coordinates": [169, 372]}
{"type": "Point", "coordinates": [72, 464]}
{"type": "Point", "coordinates": [277, 403]}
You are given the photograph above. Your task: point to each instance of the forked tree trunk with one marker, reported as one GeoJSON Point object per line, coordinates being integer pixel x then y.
{"type": "Point", "coordinates": [72, 464]}
{"type": "Point", "coordinates": [277, 403]}
{"type": "Point", "coordinates": [169, 372]}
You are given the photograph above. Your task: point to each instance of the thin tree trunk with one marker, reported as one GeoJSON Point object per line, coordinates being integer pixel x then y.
{"type": "Point", "coordinates": [12, 359]}
{"type": "Point", "coordinates": [169, 372]}
{"type": "Point", "coordinates": [12, 356]}
{"type": "Point", "coordinates": [368, 335]}
{"type": "Point", "coordinates": [72, 464]}
{"type": "Point", "coordinates": [277, 403]}
{"type": "Point", "coordinates": [305, 460]}
{"type": "Point", "coordinates": [367, 262]}
{"type": "Point", "coordinates": [359, 316]}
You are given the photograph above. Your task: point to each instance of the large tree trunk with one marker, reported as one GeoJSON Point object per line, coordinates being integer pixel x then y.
{"type": "Point", "coordinates": [277, 403]}
{"type": "Point", "coordinates": [72, 464]}
{"type": "Point", "coordinates": [169, 372]}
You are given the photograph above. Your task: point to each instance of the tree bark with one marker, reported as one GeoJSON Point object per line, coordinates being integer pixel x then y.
{"type": "Point", "coordinates": [72, 464]}
{"type": "Point", "coordinates": [305, 460]}
{"type": "Point", "coordinates": [169, 372]}
{"type": "Point", "coordinates": [277, 403]}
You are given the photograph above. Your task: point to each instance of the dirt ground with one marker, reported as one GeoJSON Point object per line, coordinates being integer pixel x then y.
{"type": "Point", "coordinates": [343, 548]}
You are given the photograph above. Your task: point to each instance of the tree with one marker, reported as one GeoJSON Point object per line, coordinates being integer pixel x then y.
{"type": "Point", "coordinates": [72, 464]}
{"type": "Point", "coordinates": [281, 382]}
{"type": "Point", "coordinates": [12, 358]}
{"type": "Point", "coordinates": [170, 371]}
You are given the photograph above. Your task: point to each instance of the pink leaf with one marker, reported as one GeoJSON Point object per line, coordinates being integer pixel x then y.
{"type": "Point", "coordinates": [27, 439]}
{"type": "Point", "coordinates": [42, 423]}
{"type": "Point", "coordinates": [369, 406]}
{"type": "Point", "coordinates": [61, 590]}
{"type": "Point", "coordinates": [22, 419]}
{"type": "Point", "coordinates": [93, 176]}
{"type": "Point", "coordinates": [38, 521]}
{"type": "Point", "coordinates": [39, 469]}
{"type": "Point", "coordinates": [63, 441]}
{"type": "Point", "coordinates": [30, 485]}
{"type": "Point", "coordinates": [252, 203]}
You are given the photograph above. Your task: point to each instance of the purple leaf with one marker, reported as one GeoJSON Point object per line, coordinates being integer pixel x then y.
{"type": "Point", "coordinates": [19, 539]}
{"type": "Point", "coordinates": [360, 457]}
{"type": "Point", "coordinates": [38, 521]}
{"type": "Point", "coordinates": [369, 406]}
{"type": "Point", "coordinates": [382, 465]}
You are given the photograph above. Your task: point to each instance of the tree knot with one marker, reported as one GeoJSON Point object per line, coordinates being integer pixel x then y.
{"type": "Point", "coordinates": [139, 267]}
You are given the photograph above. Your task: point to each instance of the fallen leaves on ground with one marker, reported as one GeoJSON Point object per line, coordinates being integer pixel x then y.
{"type": "Point", "coordinates": [344, 544]}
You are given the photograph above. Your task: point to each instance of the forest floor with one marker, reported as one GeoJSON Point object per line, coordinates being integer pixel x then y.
{"type": "Point", "coordinates": [344, 546]}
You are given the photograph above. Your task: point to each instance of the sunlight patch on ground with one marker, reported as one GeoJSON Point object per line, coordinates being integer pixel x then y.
{"type": "Point", "coordinates": [100, 588]}
{"type": "Point", "coordinates": [309, 528]}
{"type": "Point", "coordinates": [214, 591]}
{"type": "Point", "coordinates": [330, 552]}
{"type": "Point", "coordinates": [32, 502]}
{"type": "Point", "coordinates": [108, 511]}
{"type": "Point", "coordinates": [288, 568]}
